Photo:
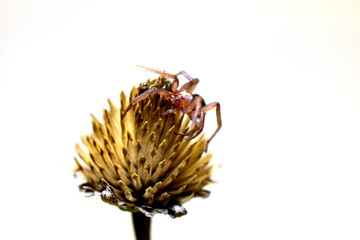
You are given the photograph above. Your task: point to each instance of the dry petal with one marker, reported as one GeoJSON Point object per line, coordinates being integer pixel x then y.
{"type": "Point", "coordinates": [138, 163]}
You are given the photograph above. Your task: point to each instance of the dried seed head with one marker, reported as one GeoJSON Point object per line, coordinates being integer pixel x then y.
{"type": "Point", "coordinates": [138, 163]}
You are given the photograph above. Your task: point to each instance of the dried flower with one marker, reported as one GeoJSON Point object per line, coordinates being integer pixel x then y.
{"type": "Point", "coordinates": [138, 163]}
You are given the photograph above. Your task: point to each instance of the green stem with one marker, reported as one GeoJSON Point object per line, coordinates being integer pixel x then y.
{"type": "Point", "coordinates": [142, 225]}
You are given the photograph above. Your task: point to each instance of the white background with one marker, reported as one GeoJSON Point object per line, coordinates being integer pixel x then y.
{"type": "Point", "coordinates": [285, 72]}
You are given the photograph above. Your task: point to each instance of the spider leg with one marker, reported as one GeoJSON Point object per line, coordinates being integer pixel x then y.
{"type": "Point", "coordinates": [162, 73]}
{"type": "Point", "coordinates": [192, 110]}
{"type": "Point", "coordinates": [160, 91]}
{"type": "Point", "coordinates": [218, 116]}
{"type": "Point", "coordinates": [200, 128]}
{"type": "Point", "coordinates": [175, 83]}
{"type": "Point", "coordinates": [189, 86]}
{"type": "Point", "coordinates": [187, 133]}
{"type": "Point", "coordinates": [185, 74]}
{"type": "Point", "coordinates": [171, 110]}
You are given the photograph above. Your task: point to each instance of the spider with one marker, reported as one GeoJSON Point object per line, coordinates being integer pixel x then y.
{"type": "Point", "coordinates": [191, 104]}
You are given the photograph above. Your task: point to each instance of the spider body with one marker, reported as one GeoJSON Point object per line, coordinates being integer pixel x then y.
{"type": "Point", "coordinates": [181, 100]}
{"type": "Point", "coordinates": [191, 104]}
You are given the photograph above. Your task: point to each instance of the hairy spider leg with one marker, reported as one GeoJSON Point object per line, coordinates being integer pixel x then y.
{"type": "Point", "coordinates": [218, 116]}
{"type": "Point", "coordinates": [160, 91]}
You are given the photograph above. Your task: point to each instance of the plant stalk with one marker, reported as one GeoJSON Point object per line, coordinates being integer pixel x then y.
{"type": "Point", "coordinates": [142, 225]}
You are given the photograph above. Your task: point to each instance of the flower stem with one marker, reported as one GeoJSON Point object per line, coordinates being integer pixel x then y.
{"type": "Point", "coordinates": [141, 225]}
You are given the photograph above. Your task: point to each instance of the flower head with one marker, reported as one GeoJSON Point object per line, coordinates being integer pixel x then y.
{"type": "Point", "coordinates": [138, 163]}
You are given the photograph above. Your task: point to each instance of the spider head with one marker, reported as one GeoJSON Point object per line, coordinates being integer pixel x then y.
{"type": "Point", "coordinates": [181, 100]}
